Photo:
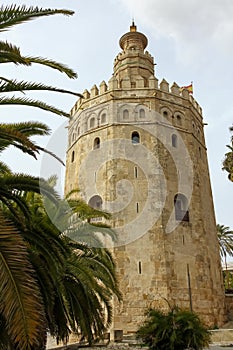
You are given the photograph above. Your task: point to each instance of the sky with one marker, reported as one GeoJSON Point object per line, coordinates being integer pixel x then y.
{"type": "Point", "coordinates": [189, 40]}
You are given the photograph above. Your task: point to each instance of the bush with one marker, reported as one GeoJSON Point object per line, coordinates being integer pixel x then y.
{"type": "Point", "coordinates": [175, 330]}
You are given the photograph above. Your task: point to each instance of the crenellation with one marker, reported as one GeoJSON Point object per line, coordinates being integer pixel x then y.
{"type": "Point", "coordinates": [140, 82]}
{"type": "Point", "coordinates": [164, 85]}
{"type": "Point", "coordinates": [153, 82]}
{"type": "Point", "coordinates": [185, 93]}
{"type": "Point", "coordinates": [113, 83]}
{"type": "Point", "coordinates": [94, 91]}
{"type": "Point", "coordinates": [86, 94]}
{"type": "Point", "coordinates": [126, 83]}
{"type": "Point", "coordinates": [103, 87]}
{"type": "Point", "coordinates": [175, 89]}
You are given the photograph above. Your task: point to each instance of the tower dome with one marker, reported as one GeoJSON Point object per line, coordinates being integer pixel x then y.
{"type": "Point", "coordinates": [133, 62]}
{"type": "Point", "coordinates": [133, 40]}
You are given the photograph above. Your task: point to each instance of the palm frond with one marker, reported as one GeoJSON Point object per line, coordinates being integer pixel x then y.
{"type": "Point", "coordinates": [10, 53]}
{"type": "Point", "coordinates": [20, 300]}
{"type": "Point", "coordinates": [54, 65]}
{"type": "Point", "coordinates": [14, 14]}
{"type": "Point", "coordinates": [32, 103]}
{"type": "Point", "coordinates": [14, 85]}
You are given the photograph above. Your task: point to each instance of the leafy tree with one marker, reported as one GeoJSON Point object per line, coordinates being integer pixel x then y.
{"type": "Point", "coordinates": [225, 239]}
{"type": "Point", "coordinates": [228, 161]}
{"type": "Point", "coordinates": [175, 330]}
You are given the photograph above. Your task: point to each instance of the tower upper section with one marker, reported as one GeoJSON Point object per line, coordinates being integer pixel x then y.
{"type": "Point", "coordinates": [133, 62]}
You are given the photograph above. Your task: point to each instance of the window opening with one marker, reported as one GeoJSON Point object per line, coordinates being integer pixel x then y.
{"type": "Point", "coordinates": [96, 143]}
{"type": "Point", "coordinates": [139, 267]}
{"type": "Point", "coordinates": [72, 157]}
{"type": "Point", "coordinates": [103, 118]}
{"type": "Point", "coordinates": [135, 137]}
{"type": "Point", "coordinates": [181, 207]}
{"type": "Point", "coordinates": [92, 122]}
{"type": "Point", "coordinates": [125, 114]}
{"type": "Point", "coordinates": [141, 113]}
{"type": "Point", "coordinates": [174, 140]}
{"type": "Point", "coordinates": [96, 202]}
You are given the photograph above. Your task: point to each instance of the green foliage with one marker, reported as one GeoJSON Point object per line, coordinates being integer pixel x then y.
{"type": "Point", "coordinates": [10, 53]}
{"type": "Point", "coordinates": [48, 281]}
{"type": "Point", "coordinates": [175, 330]}
{"type": "Point", "coordinates": [228, 160]}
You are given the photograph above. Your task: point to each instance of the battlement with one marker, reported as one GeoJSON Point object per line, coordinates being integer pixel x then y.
{"type": "Point", "coordinates": [139, 88]}
{"type": "Point", "coordinates": [122, 55]}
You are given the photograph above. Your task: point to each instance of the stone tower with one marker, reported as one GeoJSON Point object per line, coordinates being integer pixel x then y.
{"type": "Point", "coordinates": [137, 149]}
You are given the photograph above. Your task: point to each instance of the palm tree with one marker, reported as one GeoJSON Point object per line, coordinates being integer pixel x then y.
{"type": "Point", "coordinates": [225, 239]}
{"type": "Point", "coordinates": [76, 282]}
{"type": "Point", "coordinates": [175, 330]}
{"type": "Point", "coordinates": [13, 15]}
{"type": "Point", "coordinates": [50, 281]}
{"type": "Point", "coordinates": [20, 298]}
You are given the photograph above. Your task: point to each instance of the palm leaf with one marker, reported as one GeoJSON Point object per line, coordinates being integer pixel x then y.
{"type": "Point", "coordinates": [20, 300]}
{"type": "Point", "coordinates": [32, 103]}
{"type": "Point", "coordinates": [14, 14]}
{"type": "Point", "coordinates": [14, 85]}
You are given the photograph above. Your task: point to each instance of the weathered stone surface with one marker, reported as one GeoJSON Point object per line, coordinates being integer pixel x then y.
{"type": "Point", "coordinates": [161, 258]}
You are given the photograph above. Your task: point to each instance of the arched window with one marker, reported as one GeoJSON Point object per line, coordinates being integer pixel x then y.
{"type": "Point", "coordinates": [178, 117]}
{"type": "Point", "coordinates": [95, 202]}
{"type": "Point", "coordinates": [141, 113]}
{"type": "Point", "coordinates": [135, 137]}
{"type": "Point", "coordinates": [96, 143]}
{"type": "Point", "coordinates": [72, 157]}
{"type": "Point", "coordinates": [174, 140]}
{"type": "Point", "coordinates": [165, 113]}
{"type": "Point", "coordinates": [92, 122]}
{"type": "Point", "coordinates": [181, 207]}
{"type": "Point", "coordinates": [125, 114]}
{"type": "Point", "coordinates": [103, 118]}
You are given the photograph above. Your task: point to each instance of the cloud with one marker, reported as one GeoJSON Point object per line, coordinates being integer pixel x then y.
{"type": "Point", "coordinates": [193, 24]}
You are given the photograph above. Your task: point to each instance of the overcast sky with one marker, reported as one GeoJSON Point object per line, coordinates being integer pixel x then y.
{"type": "Point", "coordinates": [190, 41]}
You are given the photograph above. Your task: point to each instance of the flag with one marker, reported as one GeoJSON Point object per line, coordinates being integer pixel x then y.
{"type": "Point", "coordinates": [188, 87]}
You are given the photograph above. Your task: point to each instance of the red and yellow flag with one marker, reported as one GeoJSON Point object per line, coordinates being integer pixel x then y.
{"type": "Point", "coordinates": [188, 87]}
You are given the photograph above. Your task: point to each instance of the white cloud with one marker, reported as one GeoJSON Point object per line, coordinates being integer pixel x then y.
{"type": "Point", "coordinates": [193, 24]}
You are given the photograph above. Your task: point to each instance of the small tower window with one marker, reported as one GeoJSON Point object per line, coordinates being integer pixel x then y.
{"type": "Point", "coordinates": [96, 202]}
{"type": "Point", "coordinates": [165, 113]}
{"type": "Point", "coordinates": [103, 118]}
{"type": "Point", "coordinates": [174, 140]}
{"type": "Point", "coordinates": [136, 172]}
{"type": "Point", "coordinates": [92, 122]}
{"type": "Point", "coordinates": [200, 152]}
{"type": "Point", "coordinates": [181, 207]}
{"type": "Point", "coordinates": [178, 117]}
{"type": "Point", "coordinates": [135, 137]}
{"type": "Point", "coordinates": [96, 143]}
{"type": "Point", "coordinates": [137, 207]}
{"type": "Point", "coordinates": [72, 156]}
{"type": "Point", "coordinates": [142, 113]}
{"type": "Point", "coordinates": [139, 267]}
{"type": "Point", "coordinates": [125, 114]}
